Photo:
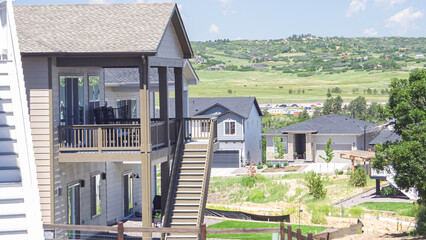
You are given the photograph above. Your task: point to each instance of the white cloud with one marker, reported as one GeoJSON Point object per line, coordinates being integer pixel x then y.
{"type": "Point", "coordinates": [213, 29]}
{"type": "Point", "coordinates": [389, 3]}
{"type": "Point", "coordinates": [97, 1]}
{"type": "Point", "coordinates": [355, 6]}
{"type": "Point", "coordinates": [403, 20]}
{"type": "Point", "coordinates": [372, 32]}
{"type": "Point", "coordinates": [225, 2]}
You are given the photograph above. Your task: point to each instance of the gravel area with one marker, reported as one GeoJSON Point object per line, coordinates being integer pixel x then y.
{"type": "Point", "coordinates": [370, 196]}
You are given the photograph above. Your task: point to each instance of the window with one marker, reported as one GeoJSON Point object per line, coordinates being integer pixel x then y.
{"type": "Point", "coordinates": [95, 194]}
{"type": "Point", "coordinates": [128, 107]}
{"type": "Point", "coordinates": [230, 128]}
{"type": "Point", "coordinates": [93, 88]}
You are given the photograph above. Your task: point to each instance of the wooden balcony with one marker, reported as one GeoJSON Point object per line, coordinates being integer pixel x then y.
{"type": "Point", "coordinates": [112, 142]}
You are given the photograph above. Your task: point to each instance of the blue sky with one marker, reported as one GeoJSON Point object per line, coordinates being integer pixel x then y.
{"type": "Point", "coordinates": [275, 19]}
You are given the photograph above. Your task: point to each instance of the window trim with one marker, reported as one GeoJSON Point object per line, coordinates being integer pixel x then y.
{"type": "Point", "coordinates": [93, 209]}
{"type": "Point", "coordinates": [235, 127]}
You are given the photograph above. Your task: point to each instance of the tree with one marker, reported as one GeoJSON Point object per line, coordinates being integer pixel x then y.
{"type": "Point", "coordinates": [304, 115]}
{"type": "Point", "coordinates": [230, 91]}
{"type": "Point", "coordinates": [278, 144]}
{"type": "Point", "coordinates": [328, 153]}
{"type": "Point", "coordinates": [315, 185]}
{"type": "Point", "coordinates": [358, 107]}
{"type": "Point", "coordinates": [407, 104]}
{"type": "Point", "coordinates": [332, 105]}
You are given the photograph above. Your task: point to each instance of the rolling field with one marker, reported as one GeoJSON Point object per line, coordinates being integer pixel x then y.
{"type": "Point", "coordinates": [273, 87]}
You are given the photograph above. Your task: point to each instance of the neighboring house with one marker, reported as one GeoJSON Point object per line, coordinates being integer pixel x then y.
{"type": "Point", "coordinates": [99, 174]}
{"type": "Point", "coordinates": [239, 128]}
{"type": "Point", "coordinates": [307, 139]}
{"type": "Point", "coordinates": [420, 56]}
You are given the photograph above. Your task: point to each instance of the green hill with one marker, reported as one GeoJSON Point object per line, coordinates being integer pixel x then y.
{"type": "Point", "coordinates": [303, 68]}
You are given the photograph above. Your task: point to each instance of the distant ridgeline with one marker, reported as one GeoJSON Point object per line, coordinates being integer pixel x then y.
{"type": "Point", "coordinates": [306, 55]}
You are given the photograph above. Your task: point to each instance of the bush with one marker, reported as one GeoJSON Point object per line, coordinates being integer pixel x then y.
{"type": "Point", "coordinates": [356, 212]}
{"type": "Point", "coordinates": [277, 165]}
{"type": "Point", "coordinates": [315, 185]}
{"type": "Point", "coordinates": [255, 196]}
{"type": "Point", "coordinates": [386, 191]}
{"type": "Point", "coordinates": [421, 221]}
{"type": "Point", "coordinates": [248, 181]}
{"type": "Point", "coordinates": [259, 166]}
{"type": "Point", "coordinates": [285, 164]}
{"type": "Point", "coordinates": [318, 217]}
{"type": "Point", "coordinates": [270, 165]}
{"type": "Point", "coordinates": [359, 178]}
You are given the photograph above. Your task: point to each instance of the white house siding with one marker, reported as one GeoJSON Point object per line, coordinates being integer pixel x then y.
{"type": "Point", "coordinates": [252, 137]}
{"type": "Point", "coordinates": [113, 94]}
{"type": "Point", "coordinates": [169, 46]}
{"type": "Point", "coordinates": [36, 84]}
{"type": "Point", "coordinates": [239, 133]}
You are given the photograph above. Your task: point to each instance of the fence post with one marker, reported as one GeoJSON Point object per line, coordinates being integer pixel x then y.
{"type": "Point", "coordinates": [322, 238]}
{"type": "Point", "coordinates": [120, 231]}
{"type": "Point", "coordinates": [282, 231]}
{"type": "Point", "coordinates": [299, 234]}
{"type": "Point", "coordinates": [289, 232]}
{"type": "Point", "coordinates": [99, 139]}
{"type": "Point", "coordinates": [203, 232]}
{"type": "Point", "coordinates": [310, 236]}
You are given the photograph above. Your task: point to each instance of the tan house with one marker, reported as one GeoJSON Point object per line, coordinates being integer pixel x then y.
{"type": "Point", "coordinates": [96, 163]}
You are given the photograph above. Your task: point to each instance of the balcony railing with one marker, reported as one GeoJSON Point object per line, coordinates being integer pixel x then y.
{"type": "Point", "coordinates": [199, 128]}
{"type": "Point", "coordinates": [113, 137]}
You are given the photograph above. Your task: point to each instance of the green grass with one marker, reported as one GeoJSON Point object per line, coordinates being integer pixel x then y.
{"type": "Point", "coordinates": [265, 86]}
{"type": "Point", "coordinates": [240, 224]}
{"type": "Point", "coordinates": [402, 209]}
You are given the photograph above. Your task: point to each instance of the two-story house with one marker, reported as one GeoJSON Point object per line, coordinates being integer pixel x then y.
{"type": "Point", "coordinates": [96, 161]}
{"type": "Point", "coordinates": [239, 128]}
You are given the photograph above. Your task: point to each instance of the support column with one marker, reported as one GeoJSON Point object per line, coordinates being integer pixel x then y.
{"type": "Point", "coordinates": [179, 93]}
{"type": "Point", "coordinates": [145, 147]}
{"type": "Point", "coordinates": [377, 187]}
{"type": "Point", "coordinates": [164, 116]}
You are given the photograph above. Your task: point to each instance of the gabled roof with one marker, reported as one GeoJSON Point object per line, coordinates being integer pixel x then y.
{"type": "Point", "coordinates": [328, 124]}
{"type": "Point", "coordinates": [97, 28]}
{"type": "Point", "coordinates": [238, 105]}
{"type": "Point", "coordinates": [384, 136]}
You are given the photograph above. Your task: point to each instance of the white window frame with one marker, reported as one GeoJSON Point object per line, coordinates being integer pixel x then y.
{"type": "Point", "coordinates": [235, 127]}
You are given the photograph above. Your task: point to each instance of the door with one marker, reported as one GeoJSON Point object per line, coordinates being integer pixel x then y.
{"type": "Point", "coordinates": [73, 209]}
{"type": "Point", "coordinates": [226, 159]}
{"type": "Point", "coordinates": [71, 103]}
{"type": "Point", "coordinates": [128, 194]}
{"type": "Point", "coordinates": [300, 140]}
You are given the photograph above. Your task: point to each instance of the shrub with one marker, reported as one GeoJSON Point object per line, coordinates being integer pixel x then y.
{"type": "Point", "coordinates": [259, 166]}
{"type": "Point", "coordinates": [285, 164]}
{"type": "Point", "coordinates": [386, 191]}
{"type": "Point", "coordinates": [338, 172]}
{"type": "Point", "coordinates": [318, 217]}
{"type": "Point", "coordinates": [356, 212]}
{"type": "Point", "coordinates": [359, 178]}
{"type": "Point", "coordinates": [270, 165]}
{"type": "Point", "coordinates": [421, 221]}
{"type": "Point", "coordinates": [315, 185]}
{"type": "Point", "coordinates": [255, 196]}
{"type": "Point", "coordinates": [277, 165]}
{"type": "Point", "coordinates": [248, 181]}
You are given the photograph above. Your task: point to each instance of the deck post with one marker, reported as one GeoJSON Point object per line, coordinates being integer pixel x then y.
{"type": "Point", "coordinates": [203, 232]}
{"type": "Point", "coordinates": [310, 236]}
{"type": "Point", "coordinates": [120, 231]}
{"type": "Point", "coordinates": [145, 147]}
{"type": "Point", "coordinates": [282, 231]}
{"type": "Point", "coordinates": [164, 116]}
{"type": "Point", "coordinates": [289, 232]}
{"type": "Point", "coordinates": [179, 93]}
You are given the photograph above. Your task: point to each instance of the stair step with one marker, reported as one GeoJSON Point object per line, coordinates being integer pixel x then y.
{"type": "Point", "coordinates": [10, 174]}
{"type": "Point", "coordinates": [11, 191]}
{"type": "Point", "coordinates": [12, 207]}
{"type": "Point", "coordinates": [194, 156]}
{"type": "Point", "coordinates": [185, 211]}
{"type": "Point", "coordinates": [194, 159]}
{"type": "Point", "coordinates": [187, 198]}
{"type": "Point", "coordinates": [194, 192]}
{"type": "Point", "coordinates": [13, 223]}
{"type": "Point", "coordinates": [7, 118]}
{"type": "Point", "coordinates": [8, 144]}
{"type": "Point", "coordinates": [195, 146]}
{"type": "Point", "coordinates": [182, 237]}
{"type": "Point", "coordinates": [187, 201]}
{"type": "Point", "coordinates": [194, 164]}
{"type": "Point", "coordinates": [185, 217]}
{"type": "Point", "coordinates": [184, 223]}
{"type": "Point", "coordinates": [9, 159]}
{"type": "Point", "coordinates": [187, 186]}
{"type": "Point", "coordinates": [5, 92]}
{"type": "Point", "coordinates": [192, 168]}
{"type": "Point", "coordinates": [191, 180]}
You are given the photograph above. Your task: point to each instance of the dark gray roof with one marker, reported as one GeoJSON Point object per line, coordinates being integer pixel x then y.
{"type": "Point", "coordinates": [384, 136]}
{"type": "Point", "coordinates": [328, 124]}
{"type": "Point", "coordinates": [96, 28]}
{"type": "Point", "coordinates": [238, 105]}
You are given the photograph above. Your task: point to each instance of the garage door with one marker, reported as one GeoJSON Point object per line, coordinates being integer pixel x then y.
{"type": "Point", "coordinates": [336, 147]}
{"type": "Point", "coordinates": [226, 159]}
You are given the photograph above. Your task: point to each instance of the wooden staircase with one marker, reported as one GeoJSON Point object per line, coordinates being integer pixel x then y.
{"type": "Point", "coordinates": [20, 215]}
{"type": "Point", "coordinates": [190, 177]}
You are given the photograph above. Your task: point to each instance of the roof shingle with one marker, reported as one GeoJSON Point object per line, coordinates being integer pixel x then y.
{"type": "Point", "coordinates": [92, 28]}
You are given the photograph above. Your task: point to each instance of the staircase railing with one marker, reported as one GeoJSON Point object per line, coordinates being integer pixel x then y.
{"type": "Point", "coordinates": [207, 170]}
{"type": "Point", "coordinates": [174, 174]}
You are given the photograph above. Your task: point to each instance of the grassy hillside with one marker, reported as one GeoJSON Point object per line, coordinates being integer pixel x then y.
{"type": "Point", "coordinates": [303, 68]}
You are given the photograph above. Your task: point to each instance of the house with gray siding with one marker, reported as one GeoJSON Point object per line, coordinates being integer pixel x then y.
{"type": "Point", "coordinates": [95, 167]}
{"type": "Point", "coordinates": [306, 140]}
{"type": "Point", "coordinates": [239, 128]}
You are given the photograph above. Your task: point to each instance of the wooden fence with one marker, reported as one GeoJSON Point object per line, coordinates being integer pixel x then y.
{"type": "Point", "coordinates": [120, 231]}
